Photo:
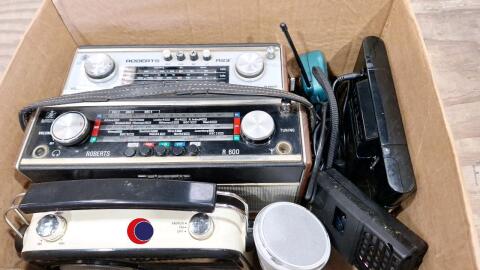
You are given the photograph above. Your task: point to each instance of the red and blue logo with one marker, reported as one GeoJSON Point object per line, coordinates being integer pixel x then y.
{"type": "Point", "coordinates": [140, 231]}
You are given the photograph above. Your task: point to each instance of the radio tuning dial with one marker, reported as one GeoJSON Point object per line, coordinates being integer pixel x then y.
{"type": "Point", "coordinates": [249, 65]}
{"type": "Point", "coordinates": [99, 66]}
{"type": "Point", "coordinates": [257, 126]}
{"type": "Point", "coordinates": [70, 128]}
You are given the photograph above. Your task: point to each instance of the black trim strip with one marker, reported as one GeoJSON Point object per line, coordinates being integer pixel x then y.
{"type": "Point", "coordinates": [139, 256]}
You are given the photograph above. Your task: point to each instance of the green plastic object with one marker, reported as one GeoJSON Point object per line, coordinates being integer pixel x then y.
{"type": "Point", "coordinates": [315, 92]}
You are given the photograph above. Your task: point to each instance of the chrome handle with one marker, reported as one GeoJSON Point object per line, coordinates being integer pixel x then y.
{"type": "Point", "coordinates": [240, 199]}
{"type": "Point", "coordinates": [19, 214]}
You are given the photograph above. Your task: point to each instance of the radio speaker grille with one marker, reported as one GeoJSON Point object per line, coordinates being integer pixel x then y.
{"type": "Point", "coordinates": [259, 196]}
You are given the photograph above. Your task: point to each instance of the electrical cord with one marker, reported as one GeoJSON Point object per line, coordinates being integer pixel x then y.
{"type": "Point", "coordinates": [349, 77]}
{"type": "Point", "coordinates": [346, 77]}
{"type": "Point", "coordinates": [320, 127]}
{"type": "Point", "coordinates": [334, 130]}
{"type": "Point", "coordinates": [318, 148]}
{"type": "Point", "coordinates": [334, 117]}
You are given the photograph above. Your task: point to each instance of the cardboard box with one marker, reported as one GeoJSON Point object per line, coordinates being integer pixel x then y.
{"type": "Point", "coordinates": [439, 212]}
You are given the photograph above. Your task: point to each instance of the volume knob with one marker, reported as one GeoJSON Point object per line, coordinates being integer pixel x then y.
{"type": "Point", "coordinates": [257, 126]}
{"type": "Point", "coordinates": [69, 128]}
{"type": "Point", "coordinates": [99, 66]}
{"type": "Point", "coordinates": [249, 65]}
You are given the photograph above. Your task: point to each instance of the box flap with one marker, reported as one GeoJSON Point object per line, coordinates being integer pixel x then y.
{"type": "Point", "coordinates": [439, 214]}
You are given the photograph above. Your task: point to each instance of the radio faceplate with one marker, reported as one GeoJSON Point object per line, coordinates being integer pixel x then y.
{"type": "Point", "coordinates": [197, 140]}
{"type": "Point", "coordinates": [142, 239]}
{"type": "Point", "coordinates": [103, 67]}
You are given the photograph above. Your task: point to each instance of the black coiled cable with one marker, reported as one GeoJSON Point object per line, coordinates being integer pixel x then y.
{"type": "Point", "coordinates": [318, 148]}
{"type": "Point", "coordinates": [334, 117]}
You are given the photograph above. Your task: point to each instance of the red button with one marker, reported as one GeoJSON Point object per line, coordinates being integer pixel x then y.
{"type": "Point", "coordinates": [98, 122]}
{"type": "Point", "coordinates": [236, 130]}
{"type": "Point", "coordinates": [236, 121]}
{"type": "Point", "coordinates": [95, 131]}
{"type": "Point", "coordinates": [149, 144]}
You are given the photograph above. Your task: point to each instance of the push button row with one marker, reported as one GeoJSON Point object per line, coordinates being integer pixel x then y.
{"type": "Point", "coordinates": [147, 150]}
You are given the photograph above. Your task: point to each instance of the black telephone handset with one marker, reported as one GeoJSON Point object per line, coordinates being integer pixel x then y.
{"type": "Point", "coordinates": [362, 231]}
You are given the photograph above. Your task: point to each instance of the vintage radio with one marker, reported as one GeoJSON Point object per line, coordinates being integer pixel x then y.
{"type": "Point", "coordinates": [257, 148]}
{"type": "Point", "coordinates": [131, 224]}
{"type": "Point", "coordinates": [104, 67]}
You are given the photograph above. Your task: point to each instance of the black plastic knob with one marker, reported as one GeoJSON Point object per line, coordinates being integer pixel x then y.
{"type": "Point", "coordinates": [193, 150]}
{"type": "Point", "coordinates": [129, 152]}
{"type": "Point", "coordinates": [178, 150]}
{"type": "Point", "coordinates": [161, 150]}
{"type": "Point", "coordinates": [145, 151]}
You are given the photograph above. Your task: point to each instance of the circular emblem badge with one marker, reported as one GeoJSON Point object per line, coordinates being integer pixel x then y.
{"type": "Point", "coordinates": [140, 231]}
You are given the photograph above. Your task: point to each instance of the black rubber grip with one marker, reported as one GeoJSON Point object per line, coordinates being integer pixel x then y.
{"type": "Point", "coordinates": [157, 194]}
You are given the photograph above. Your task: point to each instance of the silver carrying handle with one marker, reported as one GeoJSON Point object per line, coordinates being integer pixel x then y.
{"type": "Point", "coordinates": [19, 214]}
{"type": "Point", "coordinates": [240, 199]}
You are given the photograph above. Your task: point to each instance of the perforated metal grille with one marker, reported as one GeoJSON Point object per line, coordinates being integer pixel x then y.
{"type": "Point", "coordinates": [261, 195]}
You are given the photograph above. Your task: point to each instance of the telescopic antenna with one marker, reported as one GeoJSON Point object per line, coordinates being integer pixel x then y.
{"type": "Point", "coordinates": [284, 28]}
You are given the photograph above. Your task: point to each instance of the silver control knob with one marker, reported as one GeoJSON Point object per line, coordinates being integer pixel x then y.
{"type": "Point", "coordinates": [180, 56]}
{"type": "Point", "coordinates": [51, 227]}
{"type": "Point", "coordinates": [249, 65]}
{"type": "Point", "coordinates": [99, 66]}
{"type": "Point", "coordinates": [257, 126]}
{"type": "Point", "coordinates": [201, 226]}
{"type": "Point", "coordinates": [167, 55]}
{"type": "Point", "coordinates": [193, 56]}
{"type": "Point", "coordinates": [207, 55]}
{"type": "Point", "coordinates": [69, 128]}
{"type": "Point", "coordinates": [270, 52]}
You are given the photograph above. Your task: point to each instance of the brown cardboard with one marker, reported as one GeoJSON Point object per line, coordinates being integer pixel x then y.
{"type": "Point", "coordinates": [38, 70]}
{"type": "Point", "coordinates": [438, 212]}
{"type": "Point", "coordinates": [439, 204]}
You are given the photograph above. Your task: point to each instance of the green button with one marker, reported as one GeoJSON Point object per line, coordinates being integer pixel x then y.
{"type": "Point", "coordinates": [93, 139]}
{"type": "Point", "coordinates": [166, 144]}
{"type": "Point", "coordinates": [236, 137]}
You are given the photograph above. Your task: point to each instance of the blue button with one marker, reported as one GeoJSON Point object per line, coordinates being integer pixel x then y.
{"type": "Point", "coordinates": [237, 114]}
{"type": "Point", "coordinates": [166, 144]}
{"type": "Point", "coordinates": [99, 116]}
{"type": "Point", "coordinates": [179, 144]}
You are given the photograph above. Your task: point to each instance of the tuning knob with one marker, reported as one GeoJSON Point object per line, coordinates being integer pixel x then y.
{"type": "Point", "coordinates": [99, 66]}
{"type": "Point", "coordinates": [257, 126]}
{"type": "Point", "coordinates": [249, 65]}
{"type": "Point", "coordinates": [70, 128]}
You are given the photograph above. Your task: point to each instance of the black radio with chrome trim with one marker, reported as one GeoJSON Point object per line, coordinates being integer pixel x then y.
{"type": "Point", "coordinates": [249, 146]}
